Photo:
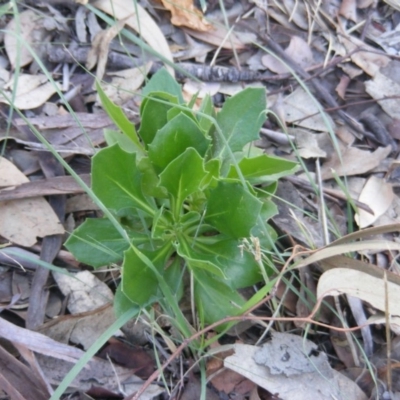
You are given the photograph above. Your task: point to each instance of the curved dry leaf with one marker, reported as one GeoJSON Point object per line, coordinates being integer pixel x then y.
{"type": "Point", "coordinates": [98, 52]}
{"type": "Point", "coordinates": [343, 248]}
{"type": "Point", "coordinates": [141, 22]}
{"type": "Point", "coordinates": [368, 59]}
{"type": "Point", "coordinates": [24, 83]}
{"type": "Point", "coordinates": [184, 13]}
{"type": "Point", "coordinates": [32, 91]}
{"type": "Point", "coordinates": [378, 195]}
{"type": "Point", "coordinates": [22, 221]}
{"type": "Point", "coordinates": [125, 82]}
{"type": "Point", "coordinates": [16, 36]}
{"type": "Point", "coordinates": [361, 285]}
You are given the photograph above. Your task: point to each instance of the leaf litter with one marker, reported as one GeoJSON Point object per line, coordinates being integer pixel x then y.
{"type": "Point", "coordinates": [353, 55]}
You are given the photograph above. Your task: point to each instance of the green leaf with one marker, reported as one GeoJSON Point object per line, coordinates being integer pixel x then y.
{"type": "Point", "coordinates": [113, 137]}
{"type": "Point", "coordinates": [173, 275]}
{"type": "Point", "coordinates": [150, 180]}
{"type": "Point", "coordinates": [116, 180]}
{"type": "Point", "coordinates": [239, 266]}
{"type": "Point", "coordinates": [263, 169]}
{"type": "Point", "coordinates": [122, 304]}
{"type": "Point", "coordinates": [264, 233]}
{"type": "Point", "coordinates": [162, 223]}
{"type": "Point", "coordinates": [97, 242]}
{"type": "Point", "coordinates": [162, 81]}
{"type": "Point", "coordinates": [207, 108]}
{"type": "Point", "coordinates": [119, 118]}
{"type": "Point", "coordinates": [183, 176]}
{"type": "Point", "coordinates": [155, 114]}
{"type": "Point", "coordinates": [215, 300]}
{"type": "Point", "coordinates": [174, 111]}
{"type": "Point", "coordinates": [196, 261]}
{"type": "Point", "coordinates": [174, 138]}
{"type": "Point", "coordinates": [139, 282]}
{"type": "Point", "coordinates": [240, 120]}
{"type": "Point", "coordinates": [213, 168]}
{"type": "Point", "coordinates": [232, 209]}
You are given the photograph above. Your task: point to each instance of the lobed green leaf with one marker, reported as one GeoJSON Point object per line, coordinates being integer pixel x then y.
{"type": "Point", "coordinates": [97, 242]}
{"type": "Point", "coordinates": [240, 121]}
{"type": "Point", "coordinates": [183, 176]}
{"type": "Point", "coordinates": [232, 209]}
{"type": "Point", "coordinates": [117, 181]}
{"type": "Point", "coordinates": [174, 138]}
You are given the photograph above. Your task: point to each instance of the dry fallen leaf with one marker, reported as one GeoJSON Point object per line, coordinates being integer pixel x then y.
{"type": "Point", "coordinates": [82, 329]}
{"type": "Point", "coordinates": [223, 37]}
{"type": "Point", "coordinates": [378, 195]}
{"type": "Point", "coordinates": [348, 9]}
{"type": "Point", "coordinates": [184, 13]}
{"type": "Point", "coordinates": [124, 83]}
{"type": "Point", "coordinates": [22, 221]}
{"type": "Point", "coordinates": [353, 161]}
{"type": "Point", "coordinates": [368, 59]}
{"type": "Point", "coordinates": [360, 284]}
{"type": "Point", "coordinates": [138, 19]}
{"type": "Point", "coordinates": [31, 91]}
{"type": "Point", "coordinates": [302, 386]}
{"type": "Point", "coordinates": [301, 110]}
{"type": "Point", "coordinates": [298, 50]}
{"type": "Point", "coordinates": [98, 53]}
{"type": "Point", "coordinates": [27, 31]}
{"type": "Point", "coordinates": [385, 91]}
{"type": "Point", "coordinates": [85, 291]}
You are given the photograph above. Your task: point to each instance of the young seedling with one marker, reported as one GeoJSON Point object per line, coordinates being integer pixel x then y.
{"type": "Point", "coordinates": [187, 188]}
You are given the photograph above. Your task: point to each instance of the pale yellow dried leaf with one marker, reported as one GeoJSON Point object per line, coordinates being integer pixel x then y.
{"type": "Point", "coordinates": [34, 98]}
{"type": "Point", "coordinates": [301, 110]}
{"type": "Point", "coordinates": [22, 221]}
{"type": "Point", "coordinates": [378, 195]}
{"type": "Point", "coordinates": [15, 37]}
{"type": "Point", "coordinates": [382, 88]}
{"type": "Point", "coordinates": [393, 3]}
{"type": "Point", "coordinates": [184, 13]}
{"type": "Point", "coordinates": [353, 161]}
{"type": "Point", "coordinates": [141, 22]}
{"type": "Point", "coordinates": [369, 60]}
{"type": "Point", "coordinates": [24, 83]}
{"type": "Point", "coordinates": [338, 248]}
{"type": "Point", "coordinates": [362, 285]}
{"type": "Point", "coordinates": [300, 387]}
{"type": "Point", "coordinates": [124, 83]}
{"type": "Point", "coordinates": [98, 52]}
